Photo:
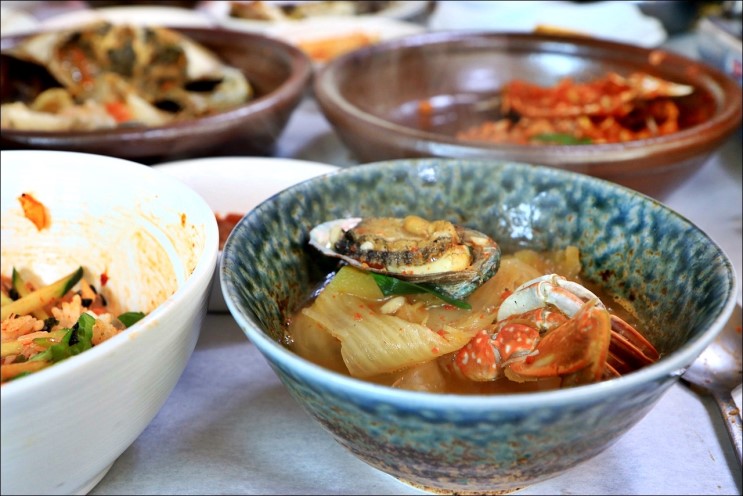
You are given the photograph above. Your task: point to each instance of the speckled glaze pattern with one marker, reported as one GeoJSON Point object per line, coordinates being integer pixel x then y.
{"type": "Point", "coordinates": [678, 279]}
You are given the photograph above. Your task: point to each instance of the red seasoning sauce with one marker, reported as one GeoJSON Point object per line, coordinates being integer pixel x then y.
{"type": "Point", "coordinates": [226, 222]}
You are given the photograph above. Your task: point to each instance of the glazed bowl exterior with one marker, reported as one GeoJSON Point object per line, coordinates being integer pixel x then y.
{"type": "Point", "coordinates": [678, 278]}
{"type": "Point", "coordinates": [373, 97]}
{"type": "Point", "coordinates": [279, 73]}
{"type": "Point", "coordinates": [156, 241]}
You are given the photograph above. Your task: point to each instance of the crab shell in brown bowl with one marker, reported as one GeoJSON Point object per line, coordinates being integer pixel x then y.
{"type": "Point", "coordinates": [416, 96]}
{"type": "Point", "coordinates": [272, 75]}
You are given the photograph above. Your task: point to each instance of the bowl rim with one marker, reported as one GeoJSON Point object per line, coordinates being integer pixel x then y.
{"type": "Point", "coordinates": [670, 367]}
{"type": "Point", "coordinates": [301, 72]}
{"type": "Point", "coordinates": [203, 270]}
{"type": "Point", "coordinates": [721, 124]}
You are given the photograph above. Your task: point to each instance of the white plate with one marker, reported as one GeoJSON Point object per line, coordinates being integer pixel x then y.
{"type": "Point", "coordinates": [151, 15]}
{"type": "Point", "coordinates": [376, 26]}
{"type": "Point", "coordinates": [239, 184]}
{"type": "Point", "coordinates": [402, 10]}
{"type": "Point", "coordinates": [615, 21]}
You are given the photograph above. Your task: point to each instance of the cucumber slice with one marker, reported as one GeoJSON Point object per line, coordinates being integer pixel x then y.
{"type": "Point", "coordinates": [37, 299]}
{"type": "Point", "coordinates": [5, 299]}
{"type": "Point", "coordinates": [20, 286]}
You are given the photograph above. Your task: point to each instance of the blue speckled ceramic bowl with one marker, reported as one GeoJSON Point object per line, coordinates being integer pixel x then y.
{"type": "Point", "coordinates": [677, 277]}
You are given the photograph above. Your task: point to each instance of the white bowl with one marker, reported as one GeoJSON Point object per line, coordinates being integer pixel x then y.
{"type": "Point", "coordinates": [157, 241]}
{"type": "Point", "coordinates": [237, 185]}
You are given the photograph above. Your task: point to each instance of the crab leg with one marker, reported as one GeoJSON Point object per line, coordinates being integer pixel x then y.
{"type": "Point", "coordinates": [629, 349]}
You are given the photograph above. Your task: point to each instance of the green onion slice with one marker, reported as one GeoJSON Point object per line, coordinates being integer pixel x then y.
{"type": "Point", "coordinates": [391, 286]}
{"type": "Point", "coordinates": [561, 139]}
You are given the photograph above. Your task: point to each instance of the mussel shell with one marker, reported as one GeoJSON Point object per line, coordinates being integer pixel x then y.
{"type": "Point", "coordinates": [460, 284]}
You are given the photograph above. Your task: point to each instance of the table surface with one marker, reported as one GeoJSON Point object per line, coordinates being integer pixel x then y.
{"type": "Point", "coordinates": [230, 426]}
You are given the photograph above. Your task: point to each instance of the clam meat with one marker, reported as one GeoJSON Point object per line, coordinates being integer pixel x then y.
{"type": "Point", "coordinates": [449, 258]}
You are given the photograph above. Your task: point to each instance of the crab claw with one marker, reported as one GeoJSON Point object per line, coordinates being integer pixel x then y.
{"type": "Point", "coordinates": [476, 361]}
{"type": "Point", "coordinates": [576, 350]}
{"type": "Point", "coordinates": [484, 357]}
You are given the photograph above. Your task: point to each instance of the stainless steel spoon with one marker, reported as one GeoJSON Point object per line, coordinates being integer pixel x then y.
{"type": "Point", "coordinates": [718, 371]}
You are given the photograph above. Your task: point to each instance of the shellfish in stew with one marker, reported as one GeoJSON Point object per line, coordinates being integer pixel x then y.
{"type": "Point", "coordinates": [530, 323]}
{"type": "Point", "coordinates": [452, 259]}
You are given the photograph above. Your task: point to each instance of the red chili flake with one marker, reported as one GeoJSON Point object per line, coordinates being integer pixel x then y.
{"type": "Point", "coordinates": [435, 350]}
{"type": "Point", "coordinates": [357, 316]}
{"type": "Point", "coordinates": [104, 279]}
{"type": "Point", "coordinates": [448, 306]}
{"type": "Point", "coordinates": [441, 332]}
{"type": "Point", "coordinates": [183, 220]}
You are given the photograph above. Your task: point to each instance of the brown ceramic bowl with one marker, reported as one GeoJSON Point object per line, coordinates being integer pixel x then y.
{"type": "Point", "coordinates": [372, 98]}
{"type": "Point", "coordinates": [280, 74]}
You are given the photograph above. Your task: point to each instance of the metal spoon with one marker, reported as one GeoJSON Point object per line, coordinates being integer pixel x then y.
{"type": "Point", "coordinates": [718, 371]}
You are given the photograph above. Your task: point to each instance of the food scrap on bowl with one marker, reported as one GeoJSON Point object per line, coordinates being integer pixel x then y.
{"type": "Point", "coordinates": [34, 210]}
